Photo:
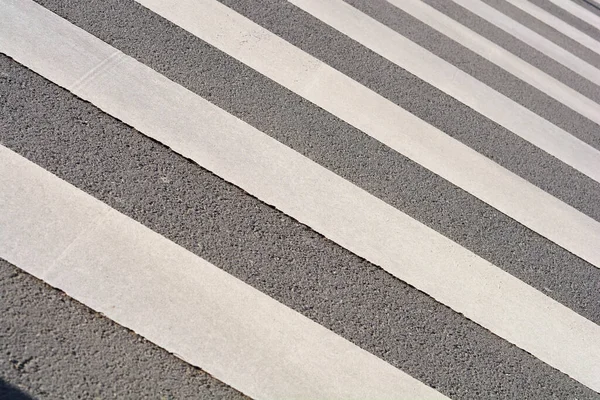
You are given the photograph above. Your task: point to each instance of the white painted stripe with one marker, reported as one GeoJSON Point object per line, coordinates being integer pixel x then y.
{"type": "Point", "coordinates": [533, 39]}
{"type": "Point", "coordinates": [298, 187]}
{"type": "Point", "coordinates": [504, 59]}
{"type": "Point", "coordinates": [404, 53]}
{"type": "Point", "coordinates": [381, 119]}
{"type": "Point", "coordinates": [177, 300]}
{"type": "Point", "coordinates": [578, 11]}
{"type": "Point", "coordinates": [557, 24]}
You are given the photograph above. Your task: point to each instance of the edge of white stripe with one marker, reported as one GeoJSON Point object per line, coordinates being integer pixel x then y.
{"type": "Point", "coordinates": [532, 38]}
{"type": "Point", "coordinates": [558, 24]}
{"type": "Point", "coordinates": [348, 215]}
{"type": "Point", "coordinates": [502, 58]}
{"type": "Point", "coordinates": [177, 300]}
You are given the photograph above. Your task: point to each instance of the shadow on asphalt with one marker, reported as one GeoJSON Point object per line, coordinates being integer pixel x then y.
{"type": "Point", "coordinates": [9, 392]}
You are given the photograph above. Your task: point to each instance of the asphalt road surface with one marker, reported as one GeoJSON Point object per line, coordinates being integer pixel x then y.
{"type": "Point", "coordinates": [306, 199]}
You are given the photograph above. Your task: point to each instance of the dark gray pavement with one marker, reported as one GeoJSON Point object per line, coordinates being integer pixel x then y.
{"type": "Point", "coordinates": [54, 347]}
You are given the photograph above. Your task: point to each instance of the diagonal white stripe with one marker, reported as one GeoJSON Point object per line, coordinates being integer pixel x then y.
{"type": "Point", "coordinates": [385, 121]}
{"type": "Point", "coordinates": [451, 80]}
{"type": "Point", "coordinates": [578, 11]}
{"type": "Point", "coordinates": [557, 24]}
{"type": "Point", "coordinates": [304, 190]}
{"type": "Point", "coordinates": [177, 300]}
{"type": "Point", "coordinates": [499, 56]}
{"type": "Point", "coordinates": [532, 38]}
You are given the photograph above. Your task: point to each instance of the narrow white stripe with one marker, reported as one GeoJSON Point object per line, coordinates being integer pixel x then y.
{"type": "Point", "coordinates": [304, 190]}
{"type": "Point", "coordinates": [499, 56]}
{"type": "Point", "coordinates": [177, 300]}
{"type": "Point", "coordinates": [579, 12]}
{"type": "Point", "coordinates": [557, 24]}
{"type": "Point", "coordinates": [418, 61]}
{"type": "Point", "coordinates": [533, 39]}
{"type": "Point", "coordinates": [390, 124]}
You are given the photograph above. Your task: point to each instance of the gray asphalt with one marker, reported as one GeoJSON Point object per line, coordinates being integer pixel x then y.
{"type": "Point", "coordinates": [56, 348]}
{"type": "Point", "coordinates": [432, 105]}
{"type": "Point", "coordinates": [357, 157]}
{"type": "Point", "coordinates": [382, 172]}
{"type": "Point", "coordinates": [266, 248]}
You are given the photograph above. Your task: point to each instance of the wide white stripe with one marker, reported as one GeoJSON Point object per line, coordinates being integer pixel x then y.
{"type": "Point", "coordinates": [499, 56]}
{"type": "Point", "coordinates": [390, 124]}
{"type": "Point", "coordinates": [578, 11]}
{"type": "Point", "coordinates": [533, 39]}
{"type": "Point", "coordinates": [557, 24]}
{"type": "Point", "coordinates": [177, 300]}
{"type": "Point", "coordinates": [299, 187]}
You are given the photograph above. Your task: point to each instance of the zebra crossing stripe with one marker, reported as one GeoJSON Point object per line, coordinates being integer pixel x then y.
{"type": "Point", "coordinates": [533, 39]}
{"type": "Point", "coordinates": [277, 175]}
{"type": "Point", "coordinates": [456, 83]}
{"type": "Point", "coordinates": [177, 300]}
{"type": "Point", "coordinates": [578, 11]}
{"type": "Point", "coordinates": [504, 59]}
{"type": "Point", "coordinates": [558, 24]}
{"type": "Point", "coordinates": [385, 121]}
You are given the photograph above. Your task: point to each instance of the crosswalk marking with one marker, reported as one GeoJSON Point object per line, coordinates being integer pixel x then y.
{"type": "Point", "coordinates": [124, 270]}
{"type": "Point", "coordinates": [378, 117]}
{"type": "Point", "coordinates": [533, 39]}
{"type": "Point", "coordinates": [558, 24]}
{"type": "Point", "coordinates": [578, 11]}
{"type": "Point", "coordinates": [456, 83]}
{"type": "Point", "coordinates": [504, 59]}
{"type": "Point", "coordinates": [322, 347]}
{"type": "Point", "coordinates": [317, 197]}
